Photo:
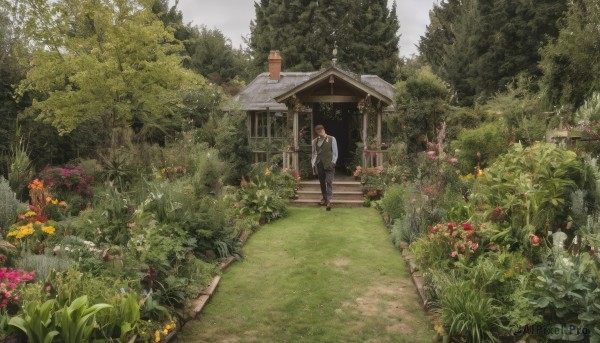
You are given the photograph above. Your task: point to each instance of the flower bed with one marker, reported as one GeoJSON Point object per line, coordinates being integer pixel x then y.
{"type": "Point", "coordinates": [524, 261]}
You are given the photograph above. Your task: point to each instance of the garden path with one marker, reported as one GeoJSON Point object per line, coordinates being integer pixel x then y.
{"type": "Point", "coordinates": [315, 276]}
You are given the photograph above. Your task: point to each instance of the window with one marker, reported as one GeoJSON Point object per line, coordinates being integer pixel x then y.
{"type": "Point", "coordinates": [268, 124]}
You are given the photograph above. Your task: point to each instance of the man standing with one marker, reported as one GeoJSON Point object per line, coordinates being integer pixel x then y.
{"type": "Point", "coordinates": [324, 157]}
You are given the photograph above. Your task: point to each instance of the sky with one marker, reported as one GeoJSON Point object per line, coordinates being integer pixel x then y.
{"type": "Point", "coordinates": [233, 18]}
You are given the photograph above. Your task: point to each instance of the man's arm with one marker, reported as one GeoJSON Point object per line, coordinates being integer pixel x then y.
{"type": "Point", "coordinates": [334, 149]}
{"type": "Point", "coordinates": [313, 159]}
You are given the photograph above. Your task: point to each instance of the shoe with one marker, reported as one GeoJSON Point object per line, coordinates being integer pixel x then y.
{"type": "Point", "coordinates": [328, 206]}
{"type": "Point", "coordinates": [322, 202]}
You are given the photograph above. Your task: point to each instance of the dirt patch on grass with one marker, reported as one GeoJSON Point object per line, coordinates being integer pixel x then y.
{"type": "Point", "coordinates": [384, 305]}
{"type": "Point", "coordinates": [341, 262]}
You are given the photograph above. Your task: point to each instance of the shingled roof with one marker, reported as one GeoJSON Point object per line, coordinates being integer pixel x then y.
{"type": "Point", "coordinates": [260, 94]}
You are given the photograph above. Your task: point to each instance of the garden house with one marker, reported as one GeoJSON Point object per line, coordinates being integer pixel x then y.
{"type": "Point", "coordinates": [283, 107]}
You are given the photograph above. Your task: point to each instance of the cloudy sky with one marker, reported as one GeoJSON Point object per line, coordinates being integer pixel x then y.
{"type": "Point", "coordinates": [233, 17]}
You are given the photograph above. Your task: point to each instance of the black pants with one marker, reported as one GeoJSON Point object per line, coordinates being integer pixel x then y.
{"type": "Point", "coordinates": [326, 181]}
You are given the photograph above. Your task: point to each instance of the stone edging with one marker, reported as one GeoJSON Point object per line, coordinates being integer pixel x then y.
{"type": "Point", "coordinates": [417, 279]}
{"type": "Point", "coordinates": [194, 307]}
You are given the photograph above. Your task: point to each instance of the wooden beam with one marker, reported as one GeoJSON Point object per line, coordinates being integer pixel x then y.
{"type": "Point", "coordinates": [379, 155]}
{"type": "Point", "coordinates": [332, 98]}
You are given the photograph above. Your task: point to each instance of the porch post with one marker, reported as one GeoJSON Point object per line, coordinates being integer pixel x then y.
{"type": "Point", "coordinates": [379, 153]}
{"type": "Point", "coordinates": [295, 163]}
{"type": "Point", "coordinates": [365, 136]}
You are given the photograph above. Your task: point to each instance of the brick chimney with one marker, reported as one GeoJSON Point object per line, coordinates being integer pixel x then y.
{"type": "Point", "coordinates": [274, 66]}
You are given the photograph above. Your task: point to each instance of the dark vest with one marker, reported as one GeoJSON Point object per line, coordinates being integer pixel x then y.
{"type": "Point", "coordinates": [324, 152]}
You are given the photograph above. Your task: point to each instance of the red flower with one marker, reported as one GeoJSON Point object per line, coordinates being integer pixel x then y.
{"type": "Point", "coordinates": [535, 240]}
{"type": "Point", "coordinates": [430, 229]}
{"type": "Point", "coordinates": [467, 227]}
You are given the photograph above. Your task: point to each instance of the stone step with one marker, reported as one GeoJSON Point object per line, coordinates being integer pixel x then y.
{"type": "Point", "coordinates": [337, 186]}
{"type": "Point", "coordinates": [337, 195]}
{"type": "Point", "coordinates": [335, 203]}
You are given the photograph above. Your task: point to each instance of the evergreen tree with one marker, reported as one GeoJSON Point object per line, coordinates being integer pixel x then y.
{"type": "Point", "coordinates": [306, 31]}
{"type": "Point", "coordinates": [570, 64]}
{"type": "Point", "coordinates": [480, 46]}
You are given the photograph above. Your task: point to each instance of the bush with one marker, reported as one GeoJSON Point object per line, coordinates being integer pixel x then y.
{"type": "Point", "coordinates": [393, 202]}
{"type": "Point", "coordinates": [43, 265]}
{"type": "Point", "coordinates": [480, 146]}
{"type": "Point", "coordinates": [470, 313]}
{"type": "Point", "coordinates": [9, 205]}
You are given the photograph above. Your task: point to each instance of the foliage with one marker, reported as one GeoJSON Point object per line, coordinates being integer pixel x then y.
{"type": "Point", "coordinates": [480, 146]}
{"type": "Point", "coordinates": [527, 192]}
{"type": "Point", "coordinates": [10, 280]}
{"type": "Point", "coordinates": [469, 313]}
{"type": "Point", "coordinates": [367, 34]}
{"type": "Point", "coordinates": [76, 321]}
{"type": "Point", "coordinates": [20, 170]}
{"type": "Point", "coordinates": [567, 292]}
{"type": "Point", "coordinates": [422, 101]}
{"type": "Point", "coordinates": [393, 202]}
{"type": "Point", "coordinates": [445, 243]}
{"type": "Point", "coordinates": [120, 320]}
{"type": "Point", "coordinates": [37, 322]}
{"type": "Point", "coordinates": [264, 203]}
{"type": "Point", "coordinates": [212, 55]}
{"type": "Point", "coordinates": [8, 204]}
{"type": "Point", "coordinates": [231, 141]}
{"type": "Point", "coordinates": [142, 79]}
{"type": "Point", "coordinates": [62, 181]}
{"type": "Point", "coordinates": [43, 265]}
{"type": "Point", "coordinates": [479, 46]}
{"type": "Point", "coordinates": [571, 74]}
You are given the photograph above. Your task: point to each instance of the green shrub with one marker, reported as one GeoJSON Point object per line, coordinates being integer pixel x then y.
{"type": "Point", "coordinates": [480, 146]}
{"type": "Point", "coordinates": [263, 203]}
{"type": "Point", "coordinates": [209, 170]}
{"type": "Point", "coordinates": [566, 292]}
{"type": "Point", "coordinates": [20, 171]}
{"type": "Point", "coordinates": [469, 313]}
{"type": "Point", "coordinates": [43, 265]}
{"type": "Point", "coordinates": [393, 202]}
{"type": "Point", "coordinates": [9, 205]}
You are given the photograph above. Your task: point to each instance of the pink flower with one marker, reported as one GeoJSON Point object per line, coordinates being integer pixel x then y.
{"type": "Point", "coordinates": [453, 161]}
{"type": "Point", "coordinates": [454, 253]}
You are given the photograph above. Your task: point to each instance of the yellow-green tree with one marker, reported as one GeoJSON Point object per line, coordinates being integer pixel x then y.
{"type": "Point", "coordinates": [110, 61]}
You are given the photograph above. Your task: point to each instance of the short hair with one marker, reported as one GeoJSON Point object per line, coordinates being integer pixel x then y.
{"type": "Point", "coordinates": [319, 127]}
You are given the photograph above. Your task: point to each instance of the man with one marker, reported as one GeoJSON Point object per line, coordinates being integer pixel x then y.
{"type": "Point", "coordinates": [324, 157]}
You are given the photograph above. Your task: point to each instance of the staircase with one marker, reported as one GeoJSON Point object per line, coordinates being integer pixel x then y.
{"type": "Point", "coordinates": [346, 193]}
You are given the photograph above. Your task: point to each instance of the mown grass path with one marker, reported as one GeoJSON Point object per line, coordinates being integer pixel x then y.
{"type": "Point", "coordinates": [315, 276]}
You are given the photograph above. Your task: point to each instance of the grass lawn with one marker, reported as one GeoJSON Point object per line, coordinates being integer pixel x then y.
{"type": "Point", "coordinates": [315, 276]}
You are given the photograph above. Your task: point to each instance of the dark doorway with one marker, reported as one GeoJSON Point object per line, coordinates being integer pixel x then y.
{"type": "Point", "coordinates": [342, 121]}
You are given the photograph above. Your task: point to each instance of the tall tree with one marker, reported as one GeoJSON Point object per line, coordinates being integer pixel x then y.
{"type": "Point", "coordinates": [212, 56]}
{"type": "Point", "coordinates": [480, 46]}
{"type": "Point", "coordinates": [306, 31]}
{"type": "Point", "coordinates": [570, 63]}
{"type": "Point", "coordinates": [111, 61]}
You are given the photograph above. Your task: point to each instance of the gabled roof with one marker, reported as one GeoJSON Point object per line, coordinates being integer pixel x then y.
{"type": "Point", "coordinates": [260, 94]}
{"type": "Point", "coordinates": [348, 77]}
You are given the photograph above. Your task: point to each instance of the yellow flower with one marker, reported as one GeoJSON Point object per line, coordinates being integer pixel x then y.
{"type": "Point", "coordinates": [49, 229]}
{"type": "Point", "coordinates": [168, 327]}
{"type": "Point", "coordinates": [165, 332]}
{"type": "Point", "coordinates": [267, 172]}
{"type": "Point", "coordinates": [55, 201]}
{"type": "Point", "coordinates": [29, 214]}
{"type": "Point", "coordinates": [157, 336]}
{"type": "Point", "coordinates": [22, 231]}
{"type": "Point", "coordinates": [479, 172]}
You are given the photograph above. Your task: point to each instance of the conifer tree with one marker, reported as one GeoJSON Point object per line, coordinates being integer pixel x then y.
{"type": "Point", "coordinates": [480, 46]}
{"type": "Point", "coordinates": [306, 31]}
